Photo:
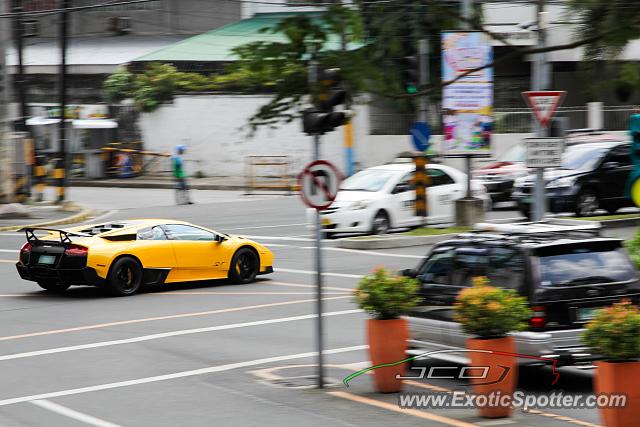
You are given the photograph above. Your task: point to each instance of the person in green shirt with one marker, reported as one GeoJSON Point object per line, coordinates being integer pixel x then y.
{"type": "Point", "coordinates": [177, 165]}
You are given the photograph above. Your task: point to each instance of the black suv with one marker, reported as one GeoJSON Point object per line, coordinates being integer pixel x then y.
{"type": "Point", "coordinates": [563, 267]}
{"type": "Point", "coordinates": [592, 176]}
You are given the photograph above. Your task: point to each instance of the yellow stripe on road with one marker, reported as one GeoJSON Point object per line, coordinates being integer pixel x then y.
{"type": "Point", "coordinates": [395, 408]}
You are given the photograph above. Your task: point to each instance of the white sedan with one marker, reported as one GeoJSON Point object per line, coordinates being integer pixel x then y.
{"type": "Point", "coordinates": [380, 198]}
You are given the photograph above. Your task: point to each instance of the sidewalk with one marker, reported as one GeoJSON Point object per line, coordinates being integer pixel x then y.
{"type": "Point", "coordinates": [209, 183]}
{"type": "Point", "coordinates": [15, 216]}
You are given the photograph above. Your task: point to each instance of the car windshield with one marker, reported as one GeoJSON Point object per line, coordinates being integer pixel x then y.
{"type": "Point", "coordinates": [582, 157]}
{"type": "Point", "coordinates": [368, 180]}
{"type": "Point", "coordinates": [515, 154]}
{"type": "Point", "coordinates": [582, 266]}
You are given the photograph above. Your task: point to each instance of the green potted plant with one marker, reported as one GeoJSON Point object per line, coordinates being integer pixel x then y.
{"type": "Point", "coordinates": [387, 297]}
{"type": "Point", "coordinates": [489, 313]}
{"type": "Point", "coordinates": [614, 334]}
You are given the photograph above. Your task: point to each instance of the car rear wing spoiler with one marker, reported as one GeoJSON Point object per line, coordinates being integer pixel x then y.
{"type": "Point", "coordinates": [65, 236]}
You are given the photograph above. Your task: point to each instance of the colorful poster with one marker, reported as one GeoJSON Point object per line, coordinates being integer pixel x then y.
{"type": "Point", "coordinates": [467, 104]}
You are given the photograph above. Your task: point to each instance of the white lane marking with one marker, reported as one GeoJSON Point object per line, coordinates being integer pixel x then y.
{"type": "Point", "coordinates": [182, 374]}
{"type": "Point", "coordinates": [157, 318]}
{"type": "Point", "coordinates": [101, 216]}
{"type": "Point", "coordinates": [299, 285]}
{"type": "Point", "coordinates": [264, 226]}
{"type": "Point", "coordinates": [361, 252]}
{"type": "Point", "coordinates": [10, 251]}
{"type": "Point", "coordinates": [278, 245]}
{"type": "Point", "coordinates": [349, 276]}
{"type": "Point", "coordinates": [172, 334]}
{"type": "Point", "coordinates": [70, 413]}
{"type": "Point", "coordinates": [293, 239]}
{"type": "Point", "coordinates": [14, 234]}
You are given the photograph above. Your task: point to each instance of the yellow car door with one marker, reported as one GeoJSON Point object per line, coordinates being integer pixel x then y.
{"type": "Point", "coordinates": [198, 253]}
{"type": "Point", "coordinates": [153, 248]}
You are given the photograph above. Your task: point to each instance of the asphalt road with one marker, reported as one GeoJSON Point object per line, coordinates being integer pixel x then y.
{"type": "Point", "coordinates": [212, 353]}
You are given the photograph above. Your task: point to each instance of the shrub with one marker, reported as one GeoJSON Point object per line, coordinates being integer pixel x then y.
{"type": "Point", "coordinates": [489, 312]}
{"type": "Point", "coordinates": [633, 248]}
{"type": "Point", "coordinates": [387, 296]}
{"type": "Point", "coordinates": [615, 332]}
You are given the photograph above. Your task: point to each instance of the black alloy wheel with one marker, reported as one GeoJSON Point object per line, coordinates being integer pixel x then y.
{"type": "Point", "coordinates": [244, 266]}
{"type": "Point", "coordinates": [125, 277]}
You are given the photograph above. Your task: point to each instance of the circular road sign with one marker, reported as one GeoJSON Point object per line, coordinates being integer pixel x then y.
{"type": "Point", "coordinates": [319, 183]}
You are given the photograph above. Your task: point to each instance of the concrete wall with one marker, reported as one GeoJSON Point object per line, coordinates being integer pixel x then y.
{"type": "Point", "coordinates": [214, 128]}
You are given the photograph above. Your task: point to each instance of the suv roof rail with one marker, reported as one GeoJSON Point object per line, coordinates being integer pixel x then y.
{"type": "Point", "coordinates": [541, 227]}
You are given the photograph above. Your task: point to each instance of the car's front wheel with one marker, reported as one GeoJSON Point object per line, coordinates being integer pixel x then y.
{"type": "Point", "coordinates": [52, 286]}
{"type": "Point", "coordinates": [587, 203]}
{"type": "Point", "coordinates": [381, 223]}
{"type": "Point", "coordinates": [125, 277]}
{"type": "Point", "coordinates": [244, 266]}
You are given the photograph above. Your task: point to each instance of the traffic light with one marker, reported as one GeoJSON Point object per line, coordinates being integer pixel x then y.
{"type": "Point", "coordinates": [410, 74]}
{"type": "Point", "coordinates": [322, 118]}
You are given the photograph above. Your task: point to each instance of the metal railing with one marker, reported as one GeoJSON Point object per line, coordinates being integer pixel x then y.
{"type": "Point", "coordinates": [268, 173]}
{"type": "Point", "coordinates": [508, 120]}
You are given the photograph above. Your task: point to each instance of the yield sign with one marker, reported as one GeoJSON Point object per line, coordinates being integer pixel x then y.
{"type": "Point", "coordinates": [544, 104]}
{"type": "Point", "coordinates": [319, 183]}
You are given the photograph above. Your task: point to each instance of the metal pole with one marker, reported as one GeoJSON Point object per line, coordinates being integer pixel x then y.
{"type": "Point", "coordinates": [18, 34]}
{"type": "Point", "coordinates": [423, 68]}
{"type": "Point", "coordinates": [6, 187]}
{"type": "Point", "coordinates": [348, 127]}
{"type": "Point", "coordinates": [541, 77]}
{"type": "Point", "coordinates": [467, 13]}
{"type": "Point", "coordinates": [313, 80]}
{"type": "Point", "coordinates": [61, 167]}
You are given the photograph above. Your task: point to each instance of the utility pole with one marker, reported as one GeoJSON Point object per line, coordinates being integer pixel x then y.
{"type": "Point", "coordinates": [541, 81]}
{"type": "Point", "coordinates": [61, 166]}
{"type": "Point", "coordinates": [20, 83]}
{"type": "Point", "coordinates": [313, 84]}
{"type": "Point", "coordinates": [6, 190]}
{"type": "Point", "coordinates": [348, 127]}
{"type": "Point", "coordinates": [467, 14]}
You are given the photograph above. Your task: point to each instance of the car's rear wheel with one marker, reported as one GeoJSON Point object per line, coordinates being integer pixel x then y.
{"type": "Point", "coordinates": [125, 277]}
{"type": "Point", "coordinates": [52, 286]}
{"type": "Point", "coordinates": [244, 266]}
{"type": "Point", "coordinates": [381, 223]}
{"type": "Point", "coordinates": [587, 203]}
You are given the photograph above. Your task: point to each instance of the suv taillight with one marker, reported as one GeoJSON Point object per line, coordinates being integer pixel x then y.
{"type": "Point", "coordinates": [538, 318]}
{"type": "Point", "coordinates": [76, 250]}
{"type": "Point", "coordinates": [26, 248]}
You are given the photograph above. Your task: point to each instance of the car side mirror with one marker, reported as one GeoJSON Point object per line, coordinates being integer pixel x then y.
{"type": "Point", "coordinates": [220, 238]}
{"type": "Point", "coordinates": [611, 165]}
{"type": "Point", "coordinates": [408, 272]}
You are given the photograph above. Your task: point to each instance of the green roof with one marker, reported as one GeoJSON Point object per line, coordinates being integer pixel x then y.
{"type": "Point", "coordinates": [216, 45]}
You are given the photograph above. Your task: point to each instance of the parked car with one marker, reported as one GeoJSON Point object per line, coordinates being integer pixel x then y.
{"type": "Point", "coordinates": [564, 268]}
{"type": "Point", "coordinates": [498, 177]}
{"type": "Point", "coordinates": [592, 176]}
{"type": "Point", "coordinates": [380, 198]}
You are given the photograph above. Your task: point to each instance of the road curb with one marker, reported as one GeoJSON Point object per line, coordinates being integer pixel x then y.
{"type": "Point", "coordinates": [84, 214]}
{"type": "Point", "coordinates": [399, 241]}
{"type": "Point", "coordinates": [390, 242]}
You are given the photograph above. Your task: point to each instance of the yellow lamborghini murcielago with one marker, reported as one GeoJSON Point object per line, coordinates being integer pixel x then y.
{"type": "Point", "coordinates": [123, 255]}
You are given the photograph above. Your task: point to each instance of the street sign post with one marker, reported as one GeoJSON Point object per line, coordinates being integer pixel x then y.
{"type": "Point", "coordinates": [544, 104]}
{"type": "Point", "coordinates": [544, 152]}
{"type": "Point", "coordinates": [420, 136]}
{"type": "Point", "coordinates": [319, 183]}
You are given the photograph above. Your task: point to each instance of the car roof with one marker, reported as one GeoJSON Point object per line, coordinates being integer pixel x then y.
{"type": "Point", "coordinates": [523, 241]}
{"type": "Point", "coordinates": [600, 144]}
{"type": "Point", "coordinates": [122, 227]}
{"type": "Point", "coordinates": [405, 167]}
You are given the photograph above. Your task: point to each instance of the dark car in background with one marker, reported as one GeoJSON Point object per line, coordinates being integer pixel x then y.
{"type": "Point", "coordinates": [592, 176]}
{"type": "Point", "coordinates": [563, 267]}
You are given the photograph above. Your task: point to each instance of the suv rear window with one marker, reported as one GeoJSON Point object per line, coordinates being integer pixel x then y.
{"type": "Point", "coordinates": [584, 265]}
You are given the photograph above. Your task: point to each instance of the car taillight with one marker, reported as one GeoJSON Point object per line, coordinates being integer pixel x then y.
{"type": "Point", "coordinates": [538, 318]}
{"type": "Point", "coordinates": [76, 250]}
{"type": "Point", "coordinates": [26, 248]}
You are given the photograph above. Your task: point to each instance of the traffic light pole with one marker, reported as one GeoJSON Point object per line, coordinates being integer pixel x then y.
{"type": "Point", "coordinates": [313, 82]}
{"type": "Point", "coordinates": [61, 166]}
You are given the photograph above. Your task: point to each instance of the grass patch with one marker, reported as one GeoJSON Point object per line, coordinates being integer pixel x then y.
{"type": "Point", "coordinates": [608, 217]}
{"type": "Point", "coordinates": [426, 231]}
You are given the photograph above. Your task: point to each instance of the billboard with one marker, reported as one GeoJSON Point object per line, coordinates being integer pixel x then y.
{"type": "Point", "coordinates": [467, 104]}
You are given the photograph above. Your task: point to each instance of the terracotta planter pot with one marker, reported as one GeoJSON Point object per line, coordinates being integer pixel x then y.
{"type": "Point", "coordinates": [501, 376]}
{"type": "Point", "coordinates": [619, 378]}
{"type": "Point", "coordinates": [388, 344]}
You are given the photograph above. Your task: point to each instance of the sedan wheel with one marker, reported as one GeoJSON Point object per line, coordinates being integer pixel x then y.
{"type": "Point", "coordinates": [587, 204]}
{"type": "Point", "coordinates": [381, 224]}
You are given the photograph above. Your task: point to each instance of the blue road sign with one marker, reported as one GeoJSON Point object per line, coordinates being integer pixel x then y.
{"type": "Point", "coordinates": [420, 135]}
